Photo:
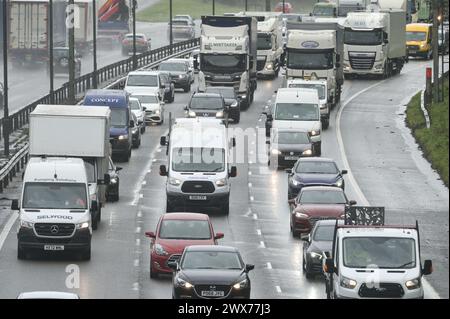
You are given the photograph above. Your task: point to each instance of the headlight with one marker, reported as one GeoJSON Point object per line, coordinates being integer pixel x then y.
{"type": "Point", "coordinates": [243, 97]}
{"type": "Point", "coordinates": [113, 180]}
{"type": "Point", "coordinates": [192, 114]}
{"type": "Point", "coordinates": [269, 66]}
{"type": "Point", "coordinates": [379, 66]}
{"type": "Point", "coordinates": [25, 224]}
{"type": "Point", "coordinates": [314, 132]}
{"type": "Point", "coordinates": [241, 285]}
{"type": "Point", "coordinates": [181, 76]}
{"type": "Point", "coordinates": [235, 104]}
{"type": "Point", "coordinates": [174, 181]}
{"type": "Point", "coordinates": [339, 183]}
{"type": "Point", "coordinates": [316, 255]}
{"type": "Point", "coordinates": [307, 152]}
{"type": "Point", "coordinates": [159, 250]}
{"type": "Point", "coordinates": [219, 114]}
{"type": "Point", "coordinates": [294, 182]}
{"type": "Point", "coordinates": [83, 225]}
{"type": "Point", "coordinates": [348, 283]}
{"type": "Point", "coordinates": [413, 284]}
{"type": "Point", "coordinates": [183, 283]}
{"type": "Point", "coordinates": [301, 215]}
{"type": "Point", "coordinates": [276, 152]}
{"type": "Point", "coordinates": [221, 182]}
{"type": "Point", "coordinates": [157, 111]}
{"type": "Point", "coordinates": [123, 137]}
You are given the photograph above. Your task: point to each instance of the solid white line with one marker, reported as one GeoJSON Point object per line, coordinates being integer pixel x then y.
{"type": "Point", "coordinates": [7, 228]}
{"type": "Point", "coordinates": [250, 184]}
{"type": "Point", "coordinates": [278, 288]}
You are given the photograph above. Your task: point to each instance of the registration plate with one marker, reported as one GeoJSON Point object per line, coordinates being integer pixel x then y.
{"type": "Point", "coordinates": [291, 158]}
{"type": "Point", "coordinates": [197, 197]}
{"type": "Point", "coordinates": [54, 247]}
{"type": "Point", "coordinates": [27, 57]}
{"type": "Point", "coordinates": [212, 293]}
{"type": "Point", "coordinates": [412, 51]}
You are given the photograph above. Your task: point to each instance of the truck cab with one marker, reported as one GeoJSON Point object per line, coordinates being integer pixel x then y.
{"type": "Point", "coordinates": [418, 40]}
{"type": "Point", "coordinates": [270, 47]}
{"type": "Point", "coordinates": [199, 167]}
{"type": "Point", "coordinates": [54, 208]}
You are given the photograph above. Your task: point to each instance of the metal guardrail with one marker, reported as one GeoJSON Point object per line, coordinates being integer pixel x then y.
{"type": "Point", "coordinates": [115, 72]}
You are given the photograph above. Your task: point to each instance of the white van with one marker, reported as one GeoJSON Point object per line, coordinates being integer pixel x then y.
{"type": "Point", "coordinates": [54, 208]}
{"type": "Point", "coordinates": [297, 108]}
{"type": "Point", "coordinates": [199, 168]}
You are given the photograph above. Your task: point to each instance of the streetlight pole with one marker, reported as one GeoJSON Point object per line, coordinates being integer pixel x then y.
{"type": "Point", "coordinates": [5, 82]}
{"type": "Point", "coordinates": [94, 43]}
{"type": "Point", "coordinates": [214, 7]}
{"type": "Point", "coordinates": [170, 25]}
{"type": "Point", "coordinates": [284, 10]}
{"type": "Point", "coordinates": [246, 5]}
{"type": "Point", "coordinates": [50, 53]}
{"type": "Point", "coordinates": [71, 26]}
{"type": "Point", "coordinates": [435, 45]}
{"type": "Point", "coordinates": [134, 35]}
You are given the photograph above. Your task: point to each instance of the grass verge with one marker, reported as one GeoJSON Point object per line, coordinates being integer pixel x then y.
{"type": "Point", "coordinates": [433, 141]}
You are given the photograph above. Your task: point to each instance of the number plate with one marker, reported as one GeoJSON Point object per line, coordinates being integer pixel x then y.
{"type": "Point", "coordinates": [291, 158]}
{"type": "Point", "coordinates": [196, 197]}
{"type": "Point", "coordinates": [212, 293]}
{"type": "Point", "coordinates": [54, 247]}
{"type": "Point", "coordinates": [27, 57]}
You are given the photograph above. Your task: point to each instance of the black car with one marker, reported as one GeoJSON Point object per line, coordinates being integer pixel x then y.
{"type": "Point", "coordinates": [112, 190]}
{"type": "Point", "coordinates": [319, 241]}
{"type": "Point", "coordinates": [211, 272]}
{"type": "Point", "coordinates": [180, 73]}
{"type": "Point", "coordinates": [206, 105]}
{"type": "Point", "coordinates": [286, 146]}
{"type": "Point", "coordinates": [169, 87]}
{"type": "Point", "coordinates": [231, 100]}
{"type": "Point", "coordinates": [312, 172]}
{"type": "Point", "coordinates": [135, 132]}
{"type": "Point", "coordinates": [61, 62]}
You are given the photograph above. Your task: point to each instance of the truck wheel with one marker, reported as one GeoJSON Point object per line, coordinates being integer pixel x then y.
{"type": "Point", "coordinates": [172, 97]}
{"type": "Point", "coordinates": [99, 214]}
{"type": "Point", "coordinates": [325, 123]}
{"type": "Point", "coordinates": [237, 118]}
{"type": "Point", "coordinates": [21, 254]}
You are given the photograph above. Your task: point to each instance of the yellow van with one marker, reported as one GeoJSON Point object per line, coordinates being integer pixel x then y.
{"type": "Point", "coordinates": [418, 40]}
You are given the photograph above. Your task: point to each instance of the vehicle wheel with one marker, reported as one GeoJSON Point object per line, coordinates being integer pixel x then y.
{"type": "Point", "coordinates": [21, 254]}
{"type": "Point", "coordinates": [304, 265]}
{"type": "Point", "coordinates": [153, 274]}
{"type": "Point", "coordinates": [169, 207]}
{"type": "Point", "coordinates": [226, 208]}
{"type": "Point", "coordinates": [95, 223]}
{"type": "Point", "coordinates": [86, 254]}
{"type": "Point", "coordinates": [187, 88]}
{"type": "Point", "coordinates": [319, 150]}
{"type": "Point", "coordinates": [326, 123]}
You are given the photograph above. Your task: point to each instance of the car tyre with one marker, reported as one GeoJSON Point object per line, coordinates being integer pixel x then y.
{"type": "Point", "coordinates": [86, 254]}
{"type": "Point", "coordinates": [21, 254]}
{"type": "Point", "coordinates": [94, 223]}
{"type": "Point", "coordinates": [237, 118]}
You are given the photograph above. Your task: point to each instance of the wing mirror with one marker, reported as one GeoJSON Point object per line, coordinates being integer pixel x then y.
{"type": "Point", "coordinates": [163, 170]}
{"type": "Point", "coordinates": [329, 266]}
{"type": "Point", "coordinates": [150, 234]}
{"type": "Point", "coordinates": [132, 123]}
{"type": "Point", "coordinates": [233, 172]}
{"type": "Point", "coordinates": [173, 265]}
{"type": "Point", "coordinates": [249, 267]}
{"type": "Point", "coordinates": [344, 171]}
{"type": "Point", "coordinates": [352, 202]}
{"type": "Point", "coordinates": [106, 180]}
{"type": "Point", "coordinates": [118, 168]}
{"type": "Point", "coordinates": [427, 267]}
{"type": "Point", "coordinates": [163, 141]}
{"type": "Point", "coordinates": [15, 204]}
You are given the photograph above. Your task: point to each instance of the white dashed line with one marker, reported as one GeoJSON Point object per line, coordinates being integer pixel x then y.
{"type": "Point", "coordinates": [258, 231]}
{"type": "Point", "coordinates": [136, 263]}
{"type": "Point", "coordinates": [139, 214]}
{"type": "Point", "coordinates": [278, 288]}
{"type": "Point", "coordinates": [269, 266]}
{"type": "Point", "coordinates": [249, 173]}
{"type": "Point", "coordinates": [252, 198]}
{"type": "Point", "coordinates": [141, 195]}
{"type": "Point", "coordinates": [255, 216]}
{"type": "Point", "coordinates": [154, 160]}
{"type": "Point", "coordinates": [144, 183]}
{"type": "Point", "coordinates": [136, 286]}
{"type": "Point", "coordinates": [250, 184]}
{"type": "Point", "coordinates": [149, 171]}
{"type": "Point", "coordinates": [262, 245]}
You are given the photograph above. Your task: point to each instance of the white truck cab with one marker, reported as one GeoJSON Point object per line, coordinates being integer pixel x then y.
{"type": "Point", "coordinates": [270, 47]}
{"type": "Point", "coordinates": [199, 170]}
{"type": "Point", "coordinates": [297, 108]}
{"type": "Point", "coordinates": [54, 208]}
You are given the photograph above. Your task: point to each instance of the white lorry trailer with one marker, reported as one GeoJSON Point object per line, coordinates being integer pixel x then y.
{"type": "Point", "coordinates": [315, 50]}
{"type": "Point", "coordinates": [75, 131]}
{"type": "Point", "coordinates": [375, 41]}
{"type": "Point", "coordinates": [228, 55]}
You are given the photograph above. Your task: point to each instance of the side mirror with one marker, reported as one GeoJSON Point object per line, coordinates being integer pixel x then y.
{"type": "Point", "coordinates": [249, 267]}
{"type": "Point", "coordinates": [276, 91]}
{"type": "Point", "coordinates": [163, 141]}
{"type": "Point", "coordinates": [173, 265]}
{"type": "Point", "coordinates": [352, 202]}
{"type": "Point", "coordinates": [186, 108]}
{"type": "Point", "coordinates": [94, 205]}
{"type": "Point", "coordinates": [338, 64]}
{"type": "Point", "coordinates": [386, 41]}
{"type": "Point", "coordinates": [344, 171]}
{"type": "Point", "coordinates": [132, 123]}
{"type": "Point", "coordinates": [150, 234]}
{"type": "Point", "coordinates": [233, 172]}
{"type": "Point", "coordinates": [310, 14]}
{"type": "Point", "coordinates": [269, 117]}
{"type": "Point", "coordinates": [329, 266]}
{"type": "Point", "coordinates": [106, 179]}
{"type": "Point", "coordinates": [15, 204]}
{"type": "Point", "coordinates": [144, 108]}
{"type": "Point", "coordinates": [291, 201]}
{"type": "Point", "coordinates": [163, 103]}
{"type": "Point", "coordinates": [288, 170]}
{"type": "Point", "coordinates": [219, 236]}
{"type": "Point", "coordinates": [265, 113]}
{"type": "Point", "coordinates": [118, 168]}
{"type": "Point", "coordinates": [427, 267]}
{"type": "Point", "coordinates": [163, 170]}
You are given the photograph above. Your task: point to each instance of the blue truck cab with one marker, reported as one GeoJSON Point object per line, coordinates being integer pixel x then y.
{"type": "Point", "coordinates": [121, 120]}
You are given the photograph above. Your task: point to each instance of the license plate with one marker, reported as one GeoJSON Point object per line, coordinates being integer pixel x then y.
{"type": "Point", "coordinates": [212, 293]}
{"type": "Point", "coordinates": [54, 247]}
{"type": "Point", "coordinates": [291, 158]}
{"type": "Point", "coordinates": [28, 57]}
{"type": "Point", "coordinates": [197, 197]}
{"type": "Point", "coordinates": [412, 51]}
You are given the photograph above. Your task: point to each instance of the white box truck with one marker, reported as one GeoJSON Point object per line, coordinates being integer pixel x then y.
{"type": "Point", "coordinates": [75, 131]}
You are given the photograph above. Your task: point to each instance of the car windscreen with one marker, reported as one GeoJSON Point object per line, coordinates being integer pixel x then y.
{"type": "Point", "coordinates": [138, 37]}
{"type": "Point", "coordinates": [297, 112]}
{"type": "Point", "coordinates": [324, 233]}
{"type": "Point", "coordinates": [211, 260]}
{"type": "Point", "coordinates": [134, 105]}
{"type": "Point", "coordinates": [177, 67]}
{"type": "Point", "coordinates": [223, 63]}
{"type": "Point", "coordinates": [206, 103]}
{"type": "Point", "coordinates": [152, 99]}
{"type": "Point", "coordinates": [185, 229]}
{"type": "Point", "coordinates": [292, 138]}
{"type": "Point", "coordinates": [264, 41]}
{"type": "Point", "coordinates": [227, 93]}
{"type": "Point", "coordinates": [316, 167]}
{"type": "Point", "coordinates": [142, 80]}
{"type": "Point", "coordinates": [379, 252]}
{"type": "Point", "coordinates": [180, 22]}
{"type": "Point", "coordinates": [90, 170]}
{"type": "Point", "coordinates": [415, 36]}
{"type": "Point", "coordinates": [322, 197]}
{"type": "Point", "coordinates": [198, 159]}
{"type": "Point", "coordinates": [307, 60]}
{"type": "Point", "coordinates": [39, 195]}
{"type": "Point", "coordinates": [319, 87]}
{"type": "Point", "coordinates": [118, 117]}
{"type": "Point", "coordinates": [373, 37]}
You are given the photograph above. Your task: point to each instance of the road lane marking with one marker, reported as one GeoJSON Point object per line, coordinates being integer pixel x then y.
{"type": "Point", "coordinates": [278, 288]}
{"type": "Point", "coordinates": [258, 231]}
{"type": "Point", "coordinates": [269, 265]}
{"type": "Point", "coordinates": [7, 228]}
{"type": "Point", "coordinates": [250, 185]}
{"type": "Point", "coordinates": [261, 244]}
{"type": "Point", "coordinates": [252, 198]}
{"type": "Point", "coordinates": [138, 242]}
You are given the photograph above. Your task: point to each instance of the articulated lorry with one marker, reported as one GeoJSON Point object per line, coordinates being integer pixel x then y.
{"type": "Point", "coordinates": [113, 20]}
{"type": "Point", "coordinates": [228, 55]}
{"type": "Point", "coordinates": [375, 41]}
{"type": "Point", "coordinates": [315, 51]}
{"type": "Point", "coordinates": [76, 132]}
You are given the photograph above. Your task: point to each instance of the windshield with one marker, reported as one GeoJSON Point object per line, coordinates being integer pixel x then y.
{"type": "Point", "coordinates": [118, 117]}
{"type": "Point", "coordinates": [211, 260]}
{"type": "Point", "coordinates": [185, 229]}
{"type": "Point", "coordinates": [264, 41]}
{"type": "Point", "coordinates": [344, 10]}
{"type": "Point", "coordinates": [316, 167]}
{"type": "Point", "coordinates": [307, 60]}
{"type": "Point", "coordinates": [374, 37]}
{"type": "Point", "coordinates": [297, 112]}
{"type": "Point", "coordinates": [55, 196]}
{"type": "Point", "coordinates": [319, 87]}
{"type": "Point", "coordinates": [223, 63]}
{"type": "Point", "coordinates": [292, 138]}
{"type": "Point", "coordinates": [206, 103]}
{"type": "Point", "coordinates": [134, 104]}
{"type": "Point", "coordinates": [379, 252]}
{"type": "Point", "coordinates": [90, 170]}
{"type": "Point", "coordinates": [322, 197]}
{"type": "Point", "coordinates": [324, 11]}
{"type": "Point", "coordinates": [227, 93]}
{"type": "Point", "coordinates": [146, 98]}
{"type": "Point", "coordinates": [198, 159]}
{"type": "Point", "coordinates": [142, 80]}
{"type": "Point", "coordinates": [415, 36]}
{"type": "Point", "coordinates": [177, 67]}
{"type": "Point", "coordinates": [324, 233]}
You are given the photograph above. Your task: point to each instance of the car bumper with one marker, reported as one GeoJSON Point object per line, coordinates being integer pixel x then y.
{"type": "Point", "coordinates": [191, 293]}
{"type": "Point", "coordinates": [181, 83]}
{"type": "Point", "coordinates": [79, 241]}
{"type": "Point", "coordinates": [301, 225]}
{"type": "Point", "coordinates": [120, 146]}
{"type": "Point", "coordinates": [281, 160]}
{"type": "Point", "coordinates": [349, 70]}
{"type": "Point", "coordinates": [213, 200]}
{"type": "Point", "coordinates": [314, 265]}
{"type": "Point", "coordinates": [265, 72]}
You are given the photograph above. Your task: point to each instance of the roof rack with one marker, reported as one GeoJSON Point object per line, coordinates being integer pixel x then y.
{"type": "Point", "coordinates": [364, 216]}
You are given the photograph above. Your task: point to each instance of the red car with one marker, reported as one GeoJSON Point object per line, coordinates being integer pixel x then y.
{"type": "Point", "coordinates": [287, 7]}
{"type": "Point", "coordinates": [175, 232]}
{"type": "Point", "coordinates": [314, 203]}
